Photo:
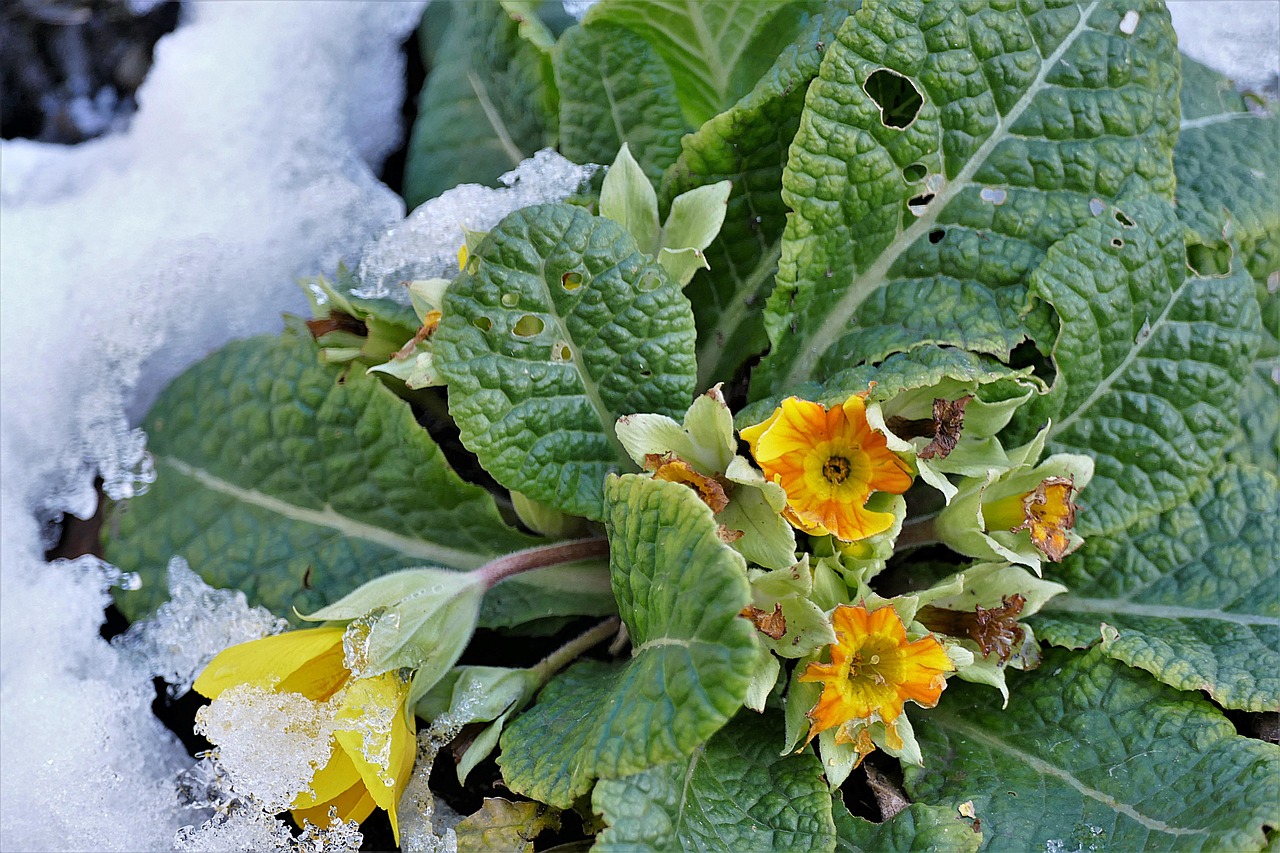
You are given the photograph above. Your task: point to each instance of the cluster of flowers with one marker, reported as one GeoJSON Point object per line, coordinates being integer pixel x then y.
{"type": "Point", "coordinates": [834, 473]}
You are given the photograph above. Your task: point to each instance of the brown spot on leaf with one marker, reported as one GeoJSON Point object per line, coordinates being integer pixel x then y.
{"type": "Point", "coordinates": [772, 625]}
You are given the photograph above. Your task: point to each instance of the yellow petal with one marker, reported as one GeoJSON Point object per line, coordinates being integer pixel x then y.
{"type": "Point", "coordinates": [352, 804]}
{"type": "Point", "coordinates": [266, 662]}
{"type": "Point", "coordinates": [331, 781]}
{"type": "Point", "coordinates": [368, 698]}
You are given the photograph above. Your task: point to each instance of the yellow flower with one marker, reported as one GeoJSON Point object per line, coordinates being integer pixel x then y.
{"type": "Point", "coordinates": [829, 462]}
{"type": "Point", "coordinates": [873, 671]}
{"type": "Point", "coordinates": [371, 719]}
{"type": "Point", "coordinates": [1047, 513]}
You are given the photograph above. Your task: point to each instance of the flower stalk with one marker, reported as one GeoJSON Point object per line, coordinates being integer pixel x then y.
{"type": "Point", "coordinates": [494, 572]}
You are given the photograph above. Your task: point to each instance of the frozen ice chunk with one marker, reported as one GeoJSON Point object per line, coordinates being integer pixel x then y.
{"type": "Point", "coordinates": [197, 622]}
{"type": "Point", "coordinates": [269, 743]}
{"type": "Point", "coordinates": [427, 825]}
{"type": "Point", "coordinates": [425, 244]}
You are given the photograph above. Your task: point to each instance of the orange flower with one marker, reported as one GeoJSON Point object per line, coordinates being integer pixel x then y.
{"type": "Point", "coordinates": [873, 671]}
{"type": "Point", "coordinates": [829, 462]}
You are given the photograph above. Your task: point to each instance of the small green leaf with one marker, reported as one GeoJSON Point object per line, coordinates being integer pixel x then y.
{"type": "Point", "coordinates": [1149, 361]}
{"type": "Point", "coordinates": [920, 231]}
{"type": "Point", "coordinates": [627, 197]}
{"type": "Point", "coordinates": [502, 825]}
{"type": "Point", "coordinates": [615, 89]}
{"type": "Point", "coordinates": [747, 144]}
{"type": "Point", "coordinates": [489, 101]}
{"type": "Point", "coordinates": [1091, 752]}
{"type": "Point", "coordinates": [1192, 596]}
{"type": "Point", "coordinates": [733, 793]}
{"type": "Point", "coordinates": [296, 482]}
{"type": "Point", "coordinates": [716, 49]}
{"type": "Point", "coordinates": [557, 328]}
{"type": "Point", "coordinates": [919, 828]}
{"type": "Point", "coordinates": [679, 590]}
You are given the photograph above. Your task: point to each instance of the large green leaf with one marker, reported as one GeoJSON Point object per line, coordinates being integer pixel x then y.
{"type": "Point", "coordinates": [615, 89]}
{"type": "Point", "coordinates": [297, 481]}
{"type": "Point", "coordinates": [1149, 361]}
{"type": "Point", "coordinates": [919, 828]}
{"type": "Point", "coordinates": [716, 49]}
{"type": "Point", "coordinates": [747, 144]}
{"type": "Point", "coordinates": [910, 230]}
{"type": "Point", "coordinates": [733, 793]}
{"type": "Point", "coordinates": [489, 100]}
{"type": "Point", "coordinates": [1228, 178]}
{"type": "Point", "coordinates": [1258, 440]}
{"type": "Point", "coordinates": [679, 590]}
{"type": "Point", "coordinates": [1192, 596]}
{"type": "Point", "coordinates": [1093, 755]}
{"type": "Point", "coordinates": [558, 327]}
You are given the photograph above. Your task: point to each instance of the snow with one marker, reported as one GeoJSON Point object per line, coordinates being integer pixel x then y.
{"type": "Point", "coordinates": [251, 161]}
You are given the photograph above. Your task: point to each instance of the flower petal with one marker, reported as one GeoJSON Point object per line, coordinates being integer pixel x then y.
{"type": "Point", "coordinates": [267, 662]}
{"type": "Point", "coordinates": [355, 803]}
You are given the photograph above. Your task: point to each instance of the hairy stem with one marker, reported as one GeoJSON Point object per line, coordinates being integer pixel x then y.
{"type": "Point", "coordinates": [496, 571]}
{"type": "Point", "coordinates": [571, 650]}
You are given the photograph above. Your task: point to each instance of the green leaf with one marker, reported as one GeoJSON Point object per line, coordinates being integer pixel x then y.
{"type": "Point", "coordinates": [903, 235]}
{"type": "Point", "coordinates": [296, 482]}
{"type": "Point", "coordinates": [615, 89]}
{"type": "Point", "coordinates": [918, 827]}
{"type": "Point", "coordinates": [627, 197]}
{"type": "Point", "coordinates": [1228, 168]}
{"type": "Point", "coordinates": [502, 825]}
{"type": "Point", "coordinates": [733, 793]}
{"type": "Point", "coordinates": [489, 101]}
{"type": "Point", "coordinates": [1150, 361]}
{"type": "Point", "coordinates": [1192, 596]}
{"type": "Point", "coordinates": [1206, 93]}
{"type": "Point", "coordinates": [715, 49]}
{"type": "Point", "coordinates": [691, 663]}
{"type": "Point", "coordinates": [1257, 442]}
{"type": "Point", "coordinates": [747, 144]}
{"type": "Point", "coordinates": [1091, 752]}
{"type": "Point", "coordinates": [557, 328]}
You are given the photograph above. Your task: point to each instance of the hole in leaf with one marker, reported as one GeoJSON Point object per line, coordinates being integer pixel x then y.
{"type": "Point", "coordinates": [561, 352]}
{"type": "Point", "coordinates": [649, 283]}
{"type": "Point", "coordinates": [898, 99]}
{"type": "Point", "coordinates": [995, 195]}
{"type": "Point", "coordinates": [484, 324]}
{"type": "Point", "coordinates": [1206, 261]}
{"type": "Point", "coordinates": [510, 300]}
{"type": "Point", "coordinates": [936, 235]}
{"type": "Point", "coordinates": [646, 373]}
{"type": "Point", "coordinates": [1129, 23]}
{"type": "Point", "coordinates": [1124, 220]}
{"type": "Point", "coordinates": [918, 204]}
{"type": "Point", "coordinates": [1117, 243]}
{"type": "Point", "coordinates": [571, 281]}
{"type": "Point", "coordinates": [914, 172]}
{"type": "Point", "coordinates": [528, 326]}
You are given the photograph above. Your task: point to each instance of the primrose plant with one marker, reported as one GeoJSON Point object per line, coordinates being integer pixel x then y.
{"type": "Point", "coordinates": [740, 489]}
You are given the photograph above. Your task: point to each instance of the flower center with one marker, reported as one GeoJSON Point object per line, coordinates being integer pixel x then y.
{"type": "Point", "coordinates": [836, 469]}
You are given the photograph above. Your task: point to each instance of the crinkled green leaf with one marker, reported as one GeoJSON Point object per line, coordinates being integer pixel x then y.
{"type": "Point", "coordinates": [926, 232]}
{"type": "Point", "coordinates": [501, 825]}
{"type": "Point", "coordinates": [733, 793]}
{"type": "Point", "coordinates": [489, 101]}
{"type": "Point", "coordinates": [716, 49]}
{"type": "Point", "coordinates": [297, 482]}
{"type": "Point", "coordinates": [1150, 361]}
{"type": "Point", "coordinates": [1228, 178]}
{"type": "Point", "coordinates": [679, 590]}
{"type": "Point", "coordinates": [1091, 752]}
{"type": "Point", "coordinates": [557, 327]}
{"type": "Point", "coordinates": [1257, 442]}
{"type": "Point", "coordinates": [747, 144]}
{"type": "Point", "coordinates": [1192, 596]}
{"type": "Point", "coordinates": [919, 828]}
{"type": "Point", "coordinates": [615, 88]}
